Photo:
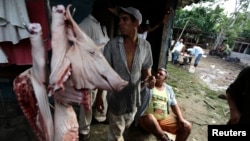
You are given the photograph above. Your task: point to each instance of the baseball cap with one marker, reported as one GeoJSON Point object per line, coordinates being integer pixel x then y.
{"type": "Point", "coordinates": [133, 11]}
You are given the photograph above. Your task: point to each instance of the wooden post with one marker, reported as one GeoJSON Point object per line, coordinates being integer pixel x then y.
{"type": "Point", "coordinates": [169, 14]}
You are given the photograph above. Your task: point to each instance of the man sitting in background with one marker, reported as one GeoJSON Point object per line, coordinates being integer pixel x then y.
{"type": "Point", "coordinates": [225, 50]}
{"type": "Point", "coordinates": [153, 115]}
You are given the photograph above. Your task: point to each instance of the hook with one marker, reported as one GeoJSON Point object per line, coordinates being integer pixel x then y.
{"type": "Point", "coordinates": [26, 27]}
{"type": "Point", "coordinates": [73, 12]}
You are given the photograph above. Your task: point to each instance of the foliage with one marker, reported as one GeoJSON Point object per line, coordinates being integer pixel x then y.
{"type": "Point", "coordinates": [215, 22]}
{"type": "Point", "coordinates": [246, 26]}
{"type": "Point", "coordinates": [200, 18]}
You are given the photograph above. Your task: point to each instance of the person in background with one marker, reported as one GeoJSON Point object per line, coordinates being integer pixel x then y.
{"type": "Point", "coordinates": [225, 50]}
{"type": "Point", "coordinates": [153, 114]}
{"type": "Point", "coordinates": [144, 30]}
{"type": "Point", "coordinates": [131, 58]}
{"type": "Point", "coordinates": [238, 98]}
{"type": "Point", "coordinates": [197, 52]}
{"type": "Point", "coordinates": [93, 28]}
{"type": "Point", "coordinates": [178, 48]}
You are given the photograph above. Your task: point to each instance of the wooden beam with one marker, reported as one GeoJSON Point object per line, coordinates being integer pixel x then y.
{"type": "Point", "coordinates": [168, 19]}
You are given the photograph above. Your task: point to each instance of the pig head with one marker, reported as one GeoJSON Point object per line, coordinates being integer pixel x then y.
{"type": "Point", "coordinates": [88, 67]}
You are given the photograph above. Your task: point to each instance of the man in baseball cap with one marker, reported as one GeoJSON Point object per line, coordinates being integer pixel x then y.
{"type": "Point", "coordinates": [131, 58]}
{"type": "Point", "coordinates": [130, 19]}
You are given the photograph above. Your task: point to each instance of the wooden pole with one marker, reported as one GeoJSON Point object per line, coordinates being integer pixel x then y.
{"type": "Point", "coordinates": [183, 30]}
{"type": "Point", "coordinates": [180, 35]}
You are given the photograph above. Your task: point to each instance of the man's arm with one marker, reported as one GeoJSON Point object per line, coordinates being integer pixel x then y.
{"type": "Point", "coordinates": [235, 91]}
{"type": "Point", "coordinates": [176, 110]}
{"type": "Point", "coordinates": [234, 112]}
{"type": "Point", "coordinates": [146, 73]}
{"type": "Point", "coordinates": [147, 78]}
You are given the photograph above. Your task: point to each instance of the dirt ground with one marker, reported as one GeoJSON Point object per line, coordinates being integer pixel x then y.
{"type": "Point", "coordinates": [201, 110]}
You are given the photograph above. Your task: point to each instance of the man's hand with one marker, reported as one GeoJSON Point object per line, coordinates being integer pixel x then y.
{"type": "Point", "coordinates": [151, 82]}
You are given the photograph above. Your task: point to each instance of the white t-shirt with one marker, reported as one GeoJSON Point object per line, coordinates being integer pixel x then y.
{"type": "Point", "coordinates": [178, 47]}
{"type": "Point", "coordinates": [196, 50]}
{"type": "Point", "coordinates": [93, 29]}
{"type": "Point", "coordinates": [143, 35]}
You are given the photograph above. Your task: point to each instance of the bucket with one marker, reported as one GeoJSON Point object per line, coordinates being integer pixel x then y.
{"type": "Point", "coordinates": [191, 69]}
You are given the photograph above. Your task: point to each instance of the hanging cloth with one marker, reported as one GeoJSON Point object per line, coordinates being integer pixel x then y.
{"type": "Point", "coordinates": [13, 14]}
{"type": "Point", "coordinates": [20, 54]}
{"type": "Point", "coordinates": [3, 57]}
{"type": "Point", "coordinates": [38, 13]}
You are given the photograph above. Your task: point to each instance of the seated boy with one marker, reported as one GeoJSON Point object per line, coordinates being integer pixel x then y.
{"type": "Point", "coordinates": [153, 115]}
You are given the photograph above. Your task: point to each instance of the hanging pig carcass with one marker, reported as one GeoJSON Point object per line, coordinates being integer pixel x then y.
{"type": "Point", "coordinates": [31, 91]}
{"type": "Point", "coordinates": [83, 60]}
{"type": "Point", "coordinates": [77, 66]}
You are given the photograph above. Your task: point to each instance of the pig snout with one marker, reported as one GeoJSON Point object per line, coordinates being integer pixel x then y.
{"type": "Point", "coordinates": [120, 86]}
{"type": "Point", "coordinates": [114, 81]}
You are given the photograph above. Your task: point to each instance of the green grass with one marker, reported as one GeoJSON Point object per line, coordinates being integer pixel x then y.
{"type": "Point", "coordinates": [187, 84]}
{"type": "Point", "coordinates": [179, 78]}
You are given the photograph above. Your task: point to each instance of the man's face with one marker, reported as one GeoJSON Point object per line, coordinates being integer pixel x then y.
{"type": "Point", "coordinates": [126, 25]}
{"type": "Point", "coordinates": [160, 76]}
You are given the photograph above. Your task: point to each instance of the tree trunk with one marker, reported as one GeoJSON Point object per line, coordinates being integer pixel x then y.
{"type": "Point", "coordinates": [219, 39]}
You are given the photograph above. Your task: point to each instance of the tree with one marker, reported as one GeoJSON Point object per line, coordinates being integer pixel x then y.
{"type": "Point", "coordinates": [232, 26]}
{"type": "Point", "coordinates": [215, 22]}
{"type": "Point", "coordinates": [201, 19]}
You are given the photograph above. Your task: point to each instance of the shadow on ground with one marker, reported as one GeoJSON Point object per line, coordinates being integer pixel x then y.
{"type": "Point", "coordinates": [14, 127]}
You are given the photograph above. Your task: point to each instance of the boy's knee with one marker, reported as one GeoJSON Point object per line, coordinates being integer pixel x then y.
{"type": "Point", "coordinates": [148, 117]}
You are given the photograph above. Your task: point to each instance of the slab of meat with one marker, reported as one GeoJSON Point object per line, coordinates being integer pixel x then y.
{"type": "Point", "coordinates": [31, 91]}
{"type": "Point", "coordinates": [75, 69]}
{"type": "Point", "coordinates": [90, 69]}
{"type": "Point", "coordinates": [66, 125]}
{"type": "Point", "coordinates": [60, 65]}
